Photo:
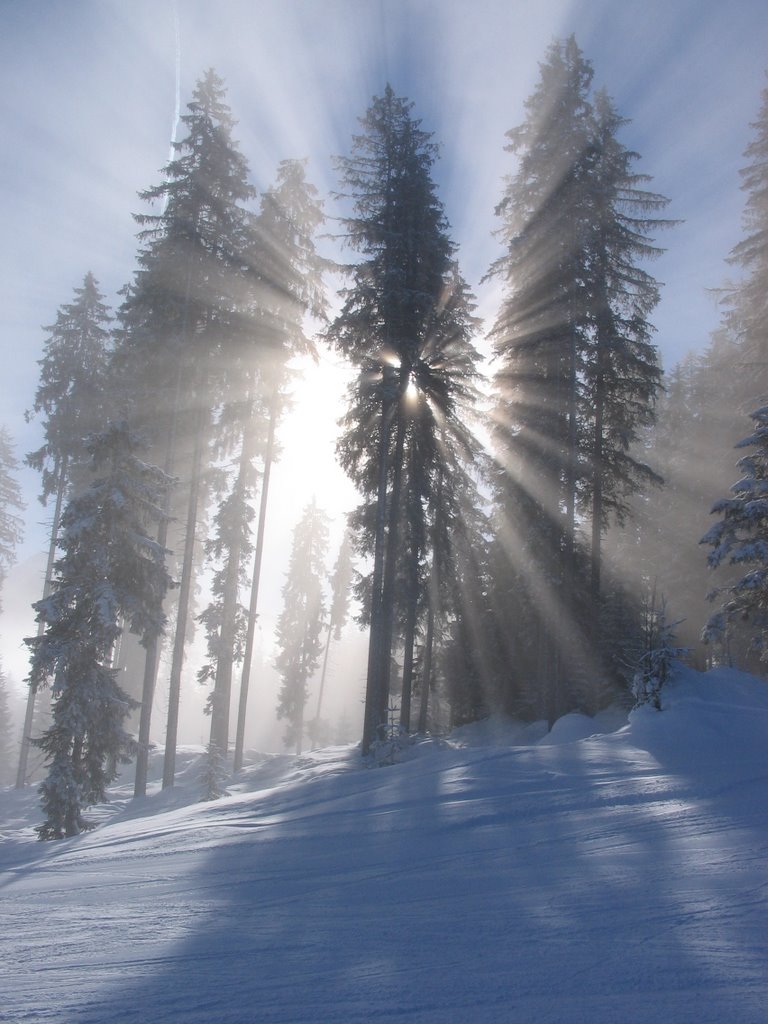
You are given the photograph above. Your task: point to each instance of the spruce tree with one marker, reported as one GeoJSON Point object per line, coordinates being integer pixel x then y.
{"type": "Point", "coordinates": [111, 572]}
{"type": "Point", "coordinates": [393, 311]}
{"type": "Point", "coordinates": [740, 539]}
{"type": "Point", "coordinates": [746, 314]}
{"type": "Point", "coordinates": [182, 327]}
{"type": "Point", "coordinates": [341, 589]}
{"type": "Point", "coordinates": [622, 370]}
{"type": "Point", "coordinates": [577, 374]}
{"type": "Point", "coordinates": [540, 338]}
{"type": "Point", "coordinates": [300, 624]}
{"type": "Point", "coordinates": [71, 398]}
{"type": "Point", "coordinates": [287, 288]}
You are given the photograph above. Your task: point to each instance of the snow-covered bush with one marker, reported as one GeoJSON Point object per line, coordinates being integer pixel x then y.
{"type": "Point", "coordinates": [213, 773]}
{"type": "Point", "coordinates": [656, 662]}
{"type": "Point", "coordinates": [389, 745]}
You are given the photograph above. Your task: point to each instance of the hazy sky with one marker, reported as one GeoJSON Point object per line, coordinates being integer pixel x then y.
{"type": "Point", "coordinates": [89, 94]}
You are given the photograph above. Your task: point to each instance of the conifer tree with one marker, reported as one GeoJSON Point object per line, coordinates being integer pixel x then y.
{"type": "Point", "coordinates": [746, 315]}
{"type": "Point", "coordinates": [391, 315]}
{"type": "Point", "coordinates": [111, 572]}
{"type": "Point", "coordinates": [341, 588]}
{"type": "Point", "coordinates": [540, 340]}
{"type": "Point", "coordinates": [288, 287]}
{"type": "Point", "coordinates": [71, 398]}
{"type": "Point", "coordinates": [577, 373]}
{"type": "Point", "coordinates": [622, 369]}
{"type": "Point", "coordinates": [300, 624]}
{"type": "Point", "coordinates": [182, 327]}
{"type": "Point", "coordinates": [740, 539]}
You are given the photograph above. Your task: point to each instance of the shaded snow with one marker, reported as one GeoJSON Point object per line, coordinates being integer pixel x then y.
{"type": "Point", "coordinates": [617, 877]}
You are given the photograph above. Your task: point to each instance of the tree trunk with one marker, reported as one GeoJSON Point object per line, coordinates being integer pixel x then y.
{"type": "Point", "coordinates": [597, 470]}
{"type": "Point", "coordinates": [324, 670]}
{"type": "Point", "coordinates": [409, 639]}
{"type": "Point", "coordinates": [222, 689]}
{"type": "Point", "coordinates": [29, 715]}
{"type": "Point", "coordinates": [373, 680]}
{"type": "Point", "coordinates": [255, 579]}
{"type": "Point", "coordinates": [426, 672]}
{"type": "Point", "coordinates": [152, 657]}
{"type": "Point", "coordinates": [185, 589]}
{"type": "Point", "coordinates": [390, 572]}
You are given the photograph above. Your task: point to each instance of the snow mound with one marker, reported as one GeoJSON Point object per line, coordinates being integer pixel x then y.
{"type": "Point", "coordinates": [497, 731]}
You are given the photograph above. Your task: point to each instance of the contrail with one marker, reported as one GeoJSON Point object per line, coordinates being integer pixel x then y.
{"type": "Point", "coordinates": [177, 105]}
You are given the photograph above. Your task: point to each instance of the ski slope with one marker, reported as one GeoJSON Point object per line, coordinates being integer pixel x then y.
{"type": "Point", "coordinates": [615, 877]}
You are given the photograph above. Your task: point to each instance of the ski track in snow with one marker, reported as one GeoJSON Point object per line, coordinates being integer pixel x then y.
{"type": "Point", "coordinates": [615, 879]}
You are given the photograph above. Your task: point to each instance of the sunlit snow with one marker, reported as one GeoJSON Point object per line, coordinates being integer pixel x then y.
{"type": "Point", "coordinates": [602, 874]}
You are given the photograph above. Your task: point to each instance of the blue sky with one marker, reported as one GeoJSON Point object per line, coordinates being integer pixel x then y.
{"type": "Point", "coordinates": [89, 93]}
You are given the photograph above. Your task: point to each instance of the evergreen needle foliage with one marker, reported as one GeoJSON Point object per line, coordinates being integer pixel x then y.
{"type": "Point", "coordinates": [111, 573]}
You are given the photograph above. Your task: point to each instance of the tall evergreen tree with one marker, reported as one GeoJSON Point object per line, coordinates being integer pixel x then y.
{"type": "Point", "coordinates": [577, 371]}
{"type": "Point", "coordinates": [747, 316]}
{"type": "Point", "coordinates": [71, 395]}
{"type": "Point", "coordinates": [182, 326]}
{"type": "Point", "coordinates": [288, 287]}
{"type": "Point", "coordinates": [622, 371]}
{"type": "Point", "coordinates": [300, 624]}
{"type": "Point", "coordinates": [539, 343]}
{"type": "Point", "coordinates": [111, 572]}
{"type": "Point", "coordinates": [741, 537]}
{"type": "Point", "coordinates": [71, 398]}
{"type": "Point", "coordinates": [341, 590]}
{"type": "Point", "coordinates": [386, 325]}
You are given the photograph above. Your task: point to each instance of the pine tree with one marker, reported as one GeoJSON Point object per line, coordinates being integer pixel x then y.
{"type": "Point", "coordinates": [71, 392]}
{"type": "Point", "coordinates": [747, 315]}
{"type": "Point", "coordinates": [622, 373]}
{"type": "Point", "coordinates": [183, 324]}
{"type": "Point", "coordinates": [577, 373]}
{"type": "Point", "coordinates": [404, 294]}
{"type": "Point", "coordinates": [225, 618]}
{"type": "Point", "coordinates": [741, 539]}
{"type": "Point", "coordinates": [341, 588]}
{"type": "Point", "coordinates": [287, 272]}
{"type": "Point", "coordinates": [300, 624]}
{"type": "Point", "coordinates": [539, 342]}
{"type": "Point", "coordinates": [71, 396]}
{"type": "Point", "coordinates": [11, 527]}
{"type": "Point", "coordinates": [111, 572]}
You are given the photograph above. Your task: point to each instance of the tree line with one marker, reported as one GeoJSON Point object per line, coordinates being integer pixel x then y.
{"type": "Point", "coordinates": [514, 576]}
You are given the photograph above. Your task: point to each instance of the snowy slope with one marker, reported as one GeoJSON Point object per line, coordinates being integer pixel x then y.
{"type": "Point", "coordinates": [614, 879]}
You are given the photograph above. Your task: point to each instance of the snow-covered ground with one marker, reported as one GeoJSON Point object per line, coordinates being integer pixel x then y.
{"type": "Point", "coordinates": [608, 877]}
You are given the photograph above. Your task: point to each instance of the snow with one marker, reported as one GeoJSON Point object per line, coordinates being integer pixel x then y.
{"type": "Point", "coordinates": [603, 873]}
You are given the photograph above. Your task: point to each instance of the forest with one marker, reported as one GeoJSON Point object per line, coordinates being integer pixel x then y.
{"type": "Point", "coordinates": [535, 534]}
